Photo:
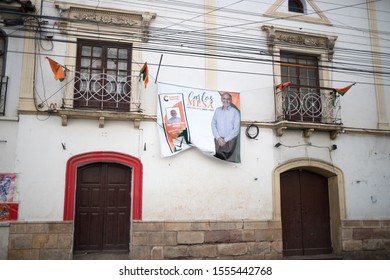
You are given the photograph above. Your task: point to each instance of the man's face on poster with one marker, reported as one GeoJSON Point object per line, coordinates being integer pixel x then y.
{"type": "Point", "coordinates": [226, 100]}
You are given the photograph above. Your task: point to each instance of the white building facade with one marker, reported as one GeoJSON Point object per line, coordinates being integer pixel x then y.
{"type": "Point", "coordinates": [314, 172]}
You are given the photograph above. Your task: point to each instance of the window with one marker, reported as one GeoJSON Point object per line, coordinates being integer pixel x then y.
{"type": "Point", "coordinates": [103, 76]}
{"type": "Point", "coordinates": [295, 6]}
{"type": "Point", "coordinates": [3, 78]}
{"type": "Point", "coordinates": [301, 70]}
{"type": "Point", "coordinates": [303, 101]}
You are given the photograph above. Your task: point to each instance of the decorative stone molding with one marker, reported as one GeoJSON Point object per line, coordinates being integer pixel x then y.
{"type": "Point", "coordinates": [111, 18]}
{"type": "Point", "coordinates": [313, 13]}
{"type": "Point", "coordinates": [281, 36]}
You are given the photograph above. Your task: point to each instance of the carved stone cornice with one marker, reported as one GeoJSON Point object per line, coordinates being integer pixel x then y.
{"type": "Point", "coordinates": [285, 37]}
{"type": "Point", "coordinates": [104, 18]}
{"type": "Point", "coordinates": [77, 14]}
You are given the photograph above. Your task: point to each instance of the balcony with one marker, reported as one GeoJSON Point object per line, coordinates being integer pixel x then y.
{"type": "Point", "coordinates": [102, 96]}
{"type": "Point", "coordinates": [3, 94]}
{"type": "Point", "coordinates": [309, 109]}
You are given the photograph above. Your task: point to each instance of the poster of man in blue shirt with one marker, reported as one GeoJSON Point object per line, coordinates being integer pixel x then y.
{"type": "Point", "coordinates": [226, 130]}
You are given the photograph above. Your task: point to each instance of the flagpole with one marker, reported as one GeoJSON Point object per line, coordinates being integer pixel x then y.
{"type": "Point", "coordinates": [158, 69]}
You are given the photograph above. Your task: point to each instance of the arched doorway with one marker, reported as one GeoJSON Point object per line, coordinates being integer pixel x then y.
{"type": "Point", "coordinates": [119, 178]}
{"type": "Point", "coordinates": [82, 159]}
{"type": "Point", "coordinates": [332, 180]}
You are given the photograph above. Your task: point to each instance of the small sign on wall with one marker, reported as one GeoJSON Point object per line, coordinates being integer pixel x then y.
{"type": "Point", "coordinates": [9, 212]}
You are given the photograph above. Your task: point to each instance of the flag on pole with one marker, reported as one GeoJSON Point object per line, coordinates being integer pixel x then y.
{"type": "Point", "coordinates": [144, 72]}
{"type": "Point", "coordinates": [343, 90]}
{"type": "Point", "coordinates": [340, 91]}
{"type": "Point", "coordinates": [57, 69]}
{"type": "Point", "coordinates": [283, 86]}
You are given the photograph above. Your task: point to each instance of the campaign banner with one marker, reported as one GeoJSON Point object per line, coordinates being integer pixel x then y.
{"type": "Point", "coordinates": [7, 187]}
{"type": "Point", "coordinates": [207, 120]}
{"type": "Point", "coordinates": [9, 212]}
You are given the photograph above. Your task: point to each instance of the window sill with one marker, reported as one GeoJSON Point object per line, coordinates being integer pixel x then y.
{"type": "Point", "coordinates": [308, 128]}
{"type": "Point", "coordinates": [100, 116]}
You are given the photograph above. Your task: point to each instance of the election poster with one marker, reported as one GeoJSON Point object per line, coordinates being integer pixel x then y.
{"type": "Point", "coordinates": [207, 120]}
{"type": "Point", "coordinates": [7, 187]}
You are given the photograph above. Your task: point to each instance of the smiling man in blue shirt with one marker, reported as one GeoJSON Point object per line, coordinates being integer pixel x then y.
{"type": "Point", "coordinates": [226, 128]}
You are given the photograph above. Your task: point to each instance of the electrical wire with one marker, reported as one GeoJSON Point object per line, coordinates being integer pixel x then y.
{"type": "Point", "coordinates": [247, 53]}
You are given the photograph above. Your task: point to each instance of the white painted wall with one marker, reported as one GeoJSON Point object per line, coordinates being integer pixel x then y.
{"type": "Point", "coordinates": [191, 186]}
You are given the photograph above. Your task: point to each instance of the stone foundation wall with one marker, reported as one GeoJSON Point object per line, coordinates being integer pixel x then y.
{"type": "Point", "coordinates": [43, 240]}
{"type": "Point", "coordinates": [207, 240]}
{"type": "Point", "coordinates": [366, 239]}
{"type": "Point", "coordinates": [360, 239]}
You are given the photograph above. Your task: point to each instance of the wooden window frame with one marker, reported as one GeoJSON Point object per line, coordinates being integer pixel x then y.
{"type": "Point", "coordinates": [106, 102]}
{"type": "Point", "coordinates": [296, 6]}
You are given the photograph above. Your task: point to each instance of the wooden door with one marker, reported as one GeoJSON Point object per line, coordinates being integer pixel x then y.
{"type": "Point", "coordinates": [305, 213]}
{"type": "Point", "coordinates": [102, 214]}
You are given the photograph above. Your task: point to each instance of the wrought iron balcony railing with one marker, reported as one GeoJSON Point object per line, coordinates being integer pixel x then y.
{"type": "Point", "coordinates": [3, 94]}
{"type": "Point", "coordinates": [308, 104]}
{"type": "Point", "coordinates": [103, 92]}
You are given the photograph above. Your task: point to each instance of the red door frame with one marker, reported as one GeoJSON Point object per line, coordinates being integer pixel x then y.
{"type": "Point", "coordinates": [86, 158]}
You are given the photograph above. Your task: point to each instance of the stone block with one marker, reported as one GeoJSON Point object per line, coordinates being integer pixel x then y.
{"type": "Point", "coordinates": [148, 226]}
{"type": "Point", "coordinates": [216, 236]}
{"type": "Point", "coordinates": [17, 228]}
{"type": "Point", "coordinates": [236, 235]}
{"type": "Point", "coordinates": [386, 245]}
{"type": "Point", "coordinates": [36, 228]}
{"type": "Point", "coordinates": [65, 241]}
{"type": "Point", "coordinates": [155, 238]}
{"type": "Point", "coordinates": [190, 237]}
{"type": "Point", "coordinates": [385, 223]}
{"type": "Point", "coordinates": [352, 224]}
{"type": "Point", "coordinates": [141, 252]}
{"type": "Point", "coordinates": [277, 246]}
{"type": "Point", "coordinates": [65, 227]}
{"type": "Point", "coordinates": [352, 245]}
{"type": "Point", "coordinates": [226, 225]}
{"type": "Point", "coordinates": [203, 251]}
{"type": "Point", "coordinates": [259, 248]}
{"type": "Point", "coordinates": [373, 244]}
{"type": "Point", "coordinates": [170, 238]}
{"type": "Point", "coordinates": [29, 254]}
{"type": "Point", "coordinates": [268, 235]}
{"type": "Point", "coordinates": [20, 241]}
{"type": "Point", "coordinates": [275, 224]}
{"type": "Point", "coordinates": [55, 254]}
{"type": "Point", "coordinates": [200, 226]}
{"type": "Point", "coordinates": [157, 253]}
{"type": "Point", "coordinates": [362, 233]}
{"type": "Point", "coordinates": [381, 233]}
{"type": "Point", "coordinates": [372, 224]}
{"type": "Point", "coordinates": [176, 252]}
{"type": "Point", "coordinates": [177, 226]}
{"type": "Point", "coordinates": [256, 225]}
{"type": "Point", "coordinates": [248, 235]}
{"type": "Point", "coordinates": [140, 238]}
{"type": "Point", "coordinates": [43, 240]}
{"type": "Point", "coordinates": [233, 249]}
{"type": "Point", "coordinates": [347, 234]}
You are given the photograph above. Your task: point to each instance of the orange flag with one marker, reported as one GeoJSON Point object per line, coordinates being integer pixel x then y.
{"type": "Point", "coordinates": [283, 86]}
{"type": "Point", "coordinates": [57, 69]}
{"type": "Point", "coordinates": [343, 90]}
{"type": "Point", "coordinates": [145, 74]}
